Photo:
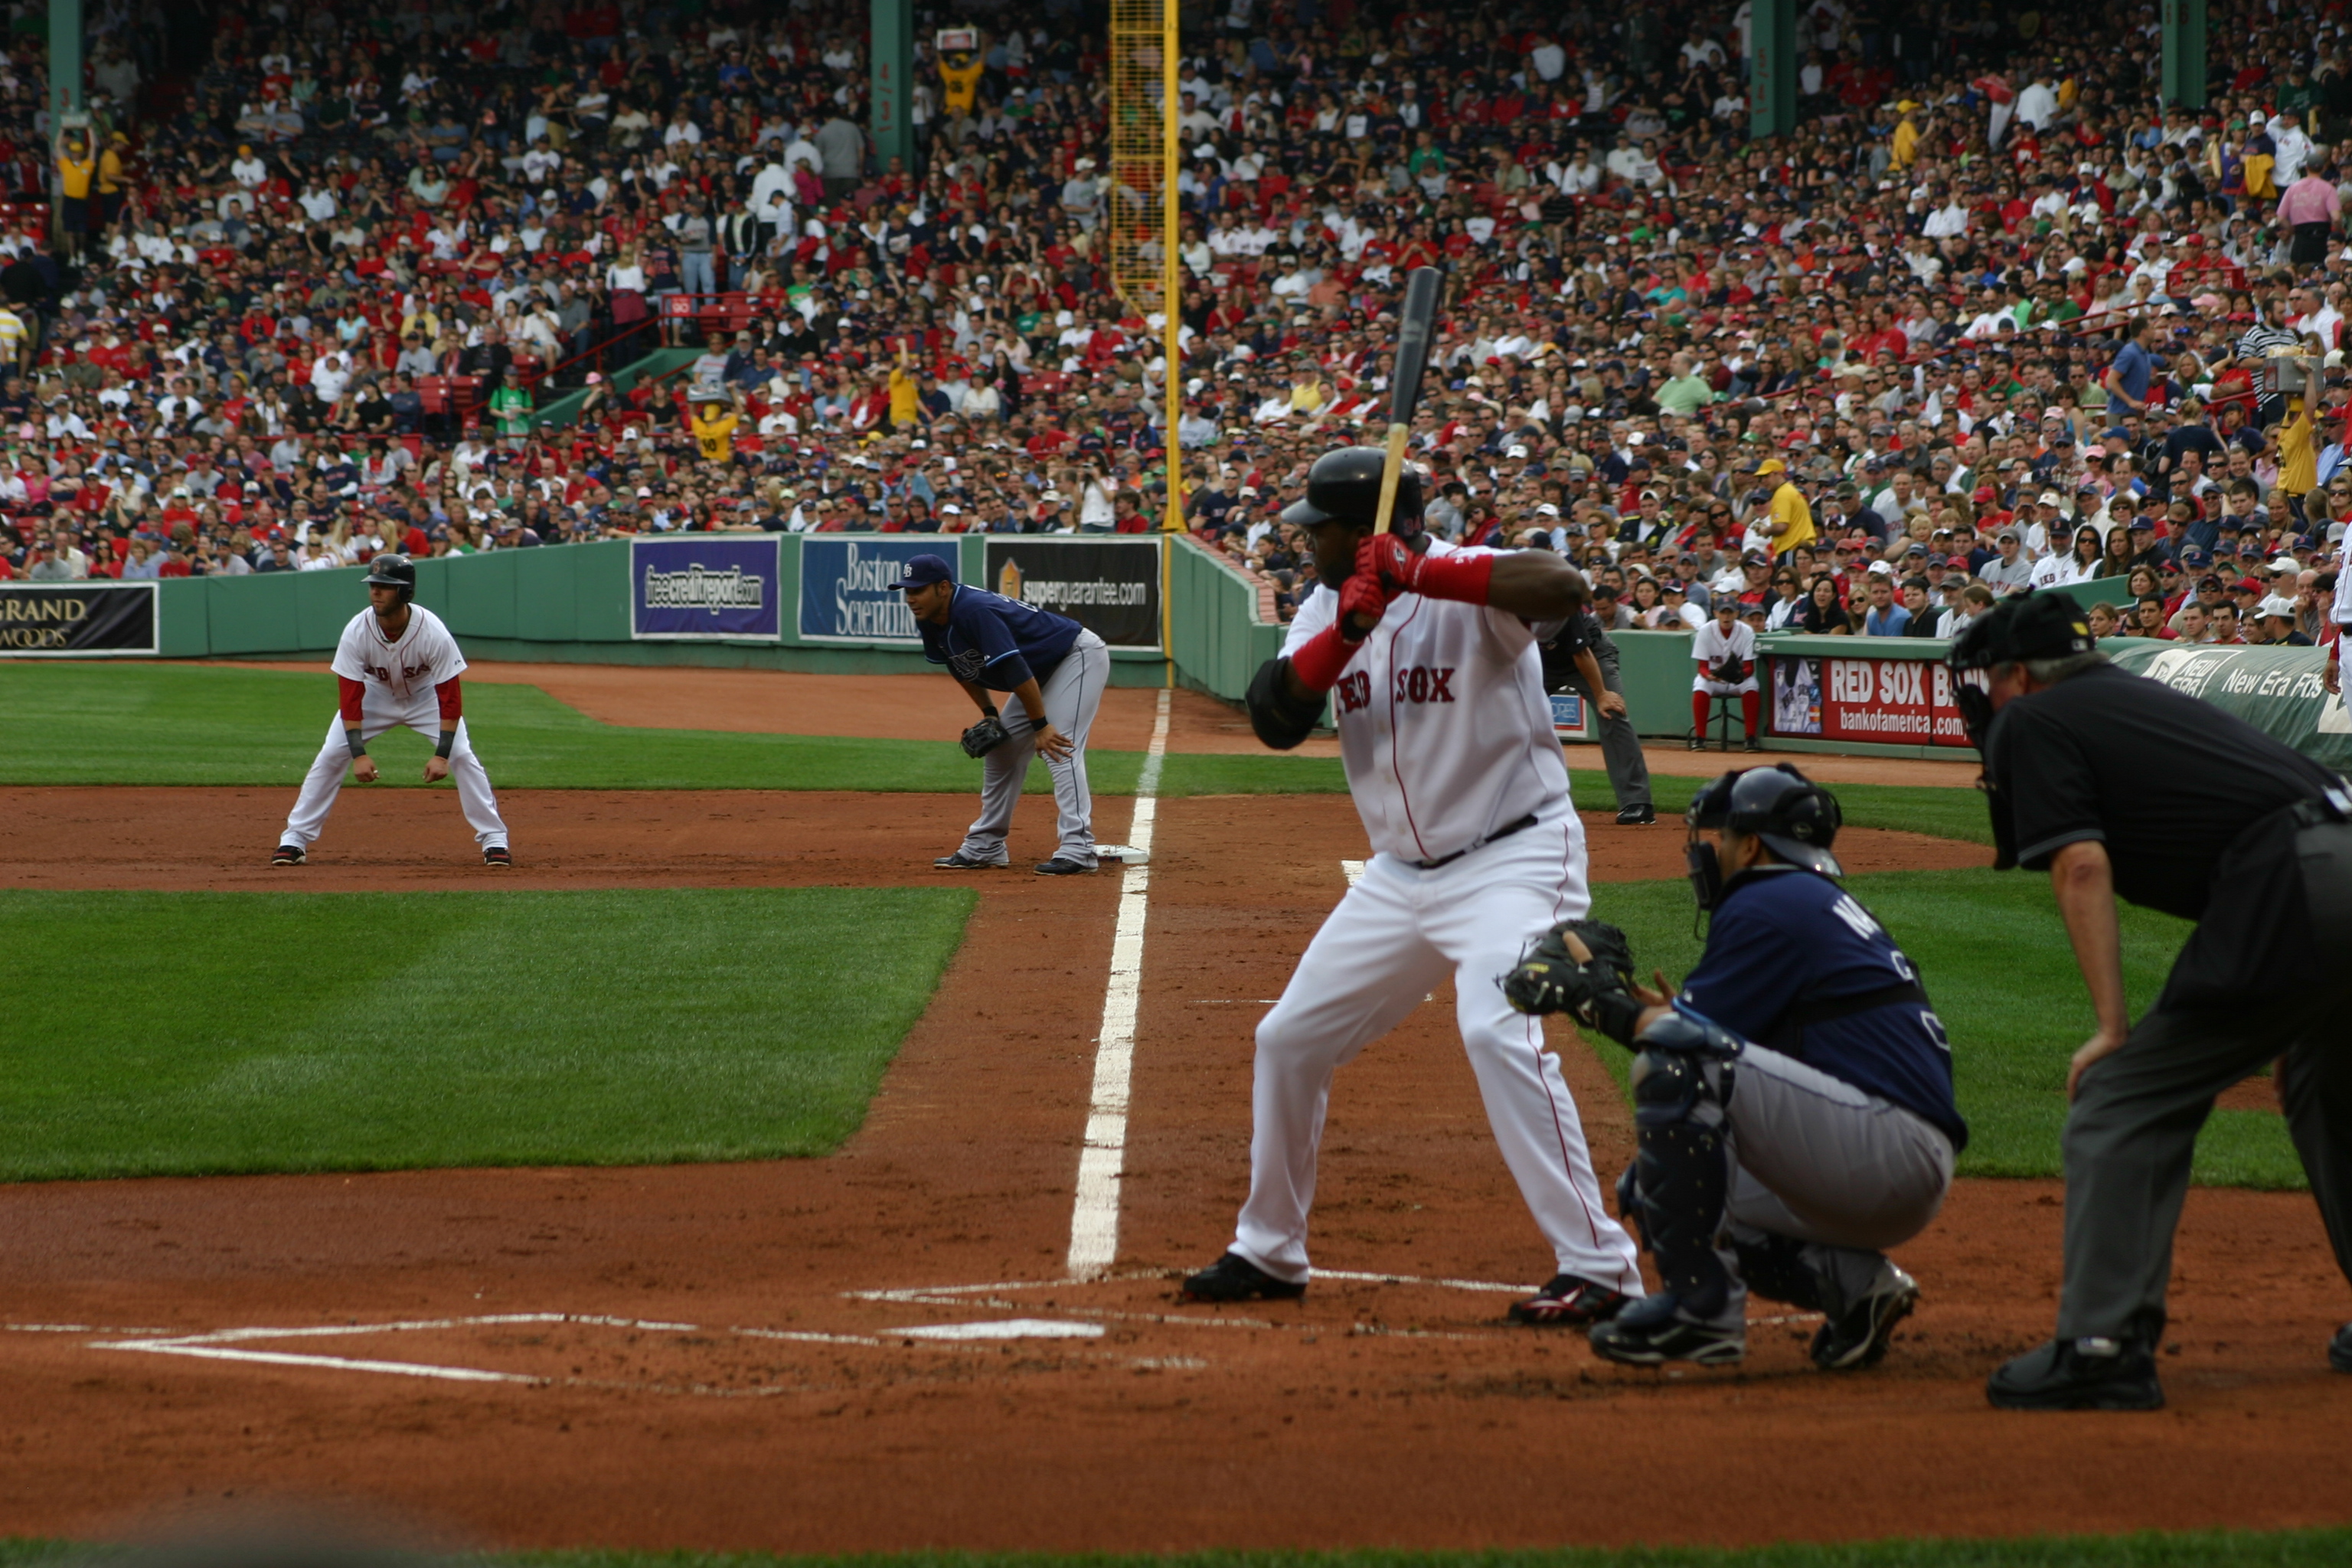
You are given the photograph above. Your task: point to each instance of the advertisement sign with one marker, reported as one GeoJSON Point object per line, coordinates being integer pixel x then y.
{"type": "Point", "coordinates": [1111, 587]}
{"type": "Point", "coordinates": [706, 586]}
{"type": "Point", "coordinates": [1567, 717]}
{"type": "Point", "coordinates": [77, 620]}
{"type": "Point", "coordinates": [848, 587]}
{"type": "Point", "coordinates": [1886, 701]}
{"type": "Point", "coordinates": [2282, 691]}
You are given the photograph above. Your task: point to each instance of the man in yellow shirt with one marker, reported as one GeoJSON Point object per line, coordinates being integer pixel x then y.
{"type": "Point", "coordinates": [109, 180]}
{"type": "Point", "coordinates": [906, 395]}
{"type": "Point", "coordinates": [77, 165]}
{"type": "Point", "coordinates": [2298, 458]}
{"type": "Point", "coordinates": [1906, 136]}
{"type": "Point", "coordinates": [714, 430]}
{"type": "Point", "coordinates": [960, 75]}
{"type": "Point", "coordinates": [1784, 519]}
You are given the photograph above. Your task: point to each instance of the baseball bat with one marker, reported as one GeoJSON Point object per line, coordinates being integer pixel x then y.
{"type": "Point", "coordinates": [1414, 328]}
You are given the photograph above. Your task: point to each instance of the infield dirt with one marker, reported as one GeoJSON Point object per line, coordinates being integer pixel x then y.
{"type": "Point", "coordinates": [1373, 1412]}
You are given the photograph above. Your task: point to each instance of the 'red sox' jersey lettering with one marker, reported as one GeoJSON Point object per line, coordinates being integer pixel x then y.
{"type": "Point", "coordinates": [1419, 683]}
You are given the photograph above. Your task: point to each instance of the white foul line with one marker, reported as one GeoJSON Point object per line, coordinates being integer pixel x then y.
{"type": "Point", "coordinates": [1094, 1217]}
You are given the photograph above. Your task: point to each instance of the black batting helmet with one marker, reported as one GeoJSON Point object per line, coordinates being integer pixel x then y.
{"type": "Point", "coordinates": [1346, 484]}
{"type": "Point", "coordinates": [1797, 819]}
{"type": "Point", "coordinates": [393, 572]}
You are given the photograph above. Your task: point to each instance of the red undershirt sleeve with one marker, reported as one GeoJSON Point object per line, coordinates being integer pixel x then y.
{"type": "Point", "coordinates": [352, 693]}
{"type": "Point", "coordinates": [452, 707]}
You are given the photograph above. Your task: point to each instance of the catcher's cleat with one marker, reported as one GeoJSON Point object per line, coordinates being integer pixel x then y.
{"type": "Point", "coordinates": [2339, 1349]}
{"type": "Point", "coordinates": [1636, 815]}
{"type": "Point", "coordinates": [496, 855]}
{"type": "Point", "coordinates": [288, 854]}
{"type": "Point", "coordinates": [1653, 1330]}
{"type": "Point", "coordinates": [2079, 1375]}
{"type": "Point", "coordinates": [1063, 866]}
{"type": "Point", "coordinates": [959, 861]}
{"type": "Point", "coordinates": [1859, 1337]}
{"type": "Point", "coordinates": [1234, 1278]}
{"type": "Point", "coordinates": [1569, 1302]}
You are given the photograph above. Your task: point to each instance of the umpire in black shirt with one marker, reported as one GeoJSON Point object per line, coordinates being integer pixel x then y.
{"type": "Point", "coordinates": [1582, 657]}
{"type": "Point", "coordinates": [2126, 788]}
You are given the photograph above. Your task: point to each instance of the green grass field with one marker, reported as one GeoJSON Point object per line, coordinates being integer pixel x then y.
{"type": "Point", "coordinates": [2204, 1549]}
{"type": "Point", "coordinates": [241, 1032]}
{"type": "Point", "coordinates": [1993, 955]}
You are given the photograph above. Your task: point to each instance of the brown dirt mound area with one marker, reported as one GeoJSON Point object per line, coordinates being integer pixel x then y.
{"type": "Point", "coordinates": [876, 1350]}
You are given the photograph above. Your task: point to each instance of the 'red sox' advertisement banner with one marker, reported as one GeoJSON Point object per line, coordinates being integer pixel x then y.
{"type": "Point", "coordinates": [1888, 701]}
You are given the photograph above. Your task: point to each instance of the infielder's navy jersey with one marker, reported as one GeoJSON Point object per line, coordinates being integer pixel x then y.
{"type": "Point", "coordinates": [1782, 937]}
{"type": "Point", "coordinates": [996, 642]}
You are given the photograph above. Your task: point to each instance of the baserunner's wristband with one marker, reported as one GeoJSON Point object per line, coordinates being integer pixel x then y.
{"type": "Point", "coordinates": [448, 738]}
{"type": "Point", "coordinates": [358, 746]}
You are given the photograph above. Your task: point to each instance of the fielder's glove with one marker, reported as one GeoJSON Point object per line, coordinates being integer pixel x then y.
{"type": "Point", "coordinates": [984, 737]}
{"type": "Point", "coordinates": [1730, 671]}
{"type": "Point", "coordinates": [1597, 992]}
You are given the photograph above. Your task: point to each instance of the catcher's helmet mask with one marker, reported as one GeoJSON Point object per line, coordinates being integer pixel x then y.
{"type": "Point", "coordinates": [1794, 817]}
{"type": "Point", "coordinates": [393, 572]}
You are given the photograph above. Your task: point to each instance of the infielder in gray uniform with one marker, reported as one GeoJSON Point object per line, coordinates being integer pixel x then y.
{"type": "Point", "coordinates": [1792, 1104]}
{"type": "Point", "coordinates": [1054, 670]}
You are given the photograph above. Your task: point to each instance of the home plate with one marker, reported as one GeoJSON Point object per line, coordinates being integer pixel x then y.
{"type": "Point", "coordinates": [1002, 1329]}
{"type": "Point", "coordinates": [1122, 855]}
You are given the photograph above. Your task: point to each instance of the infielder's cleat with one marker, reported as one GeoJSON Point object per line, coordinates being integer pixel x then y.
{"type": "Point", "coordinates": [959, 861]}
{"type": "Point", "coordinates": [1860, 1337]}
{"type": "Point", "coordinates": [1654, 1330]}
{"type": "Point", "coordinates": [1569, 1302]}
{"type": "Point", "coordinates": [2078, 1375]}
{"type": "Point", "coordinates": [2339, 1349]}
{"type": "Point", "coordinates": [1636, 815]}
{"type": "Point", "coordinates": [1063, 866]}
{"type": "Point", "coordinates": [1234, 1278]}
{"type": "Point", "coordinates": [1753, 744]}
{"type": "Point", "coordinates": [1698, 744]}
{"type": "Point", "coordinates": [496, 855]}
{"type": "Point", "coordinates": [288, 854]}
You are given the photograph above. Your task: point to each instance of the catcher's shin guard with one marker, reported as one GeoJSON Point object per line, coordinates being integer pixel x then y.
{"type": "Point", "coordinates": [1682, 1079]}
{"type": "Point", "coordinates": [1775, 1268]}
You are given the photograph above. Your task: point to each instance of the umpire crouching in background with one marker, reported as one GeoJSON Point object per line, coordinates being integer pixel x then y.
{"type": "Point", "coordinates": [2124, 787]}
{"type": "Point", "coordinates": [1582, 658]}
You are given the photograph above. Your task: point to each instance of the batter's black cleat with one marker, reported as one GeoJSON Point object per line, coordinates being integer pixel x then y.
{"type": "Point", "coordinates": [496, 855]}
{"type": "Point", "coordinates": [2079, 1375]}
{"type": "Point", "coordinates": [959, 861]}
{"type": "Point", "coordinates": [288, 854]}
{"type": "Point", "coordinates": [1569, 1302]}
{"type": "Point", "coordinates": [1859, 1337]}
{"type": "Point", "coordinates": [1063, 866]}
{"type": "Point", "coordinates": [1234, 1278]}
{"type": "Point", "coordinates": [1654, 1330]}
{"type": "Point", "coordinates": [2339, 1349]}
{"type": "Point", "coordinates": [1636, 815]}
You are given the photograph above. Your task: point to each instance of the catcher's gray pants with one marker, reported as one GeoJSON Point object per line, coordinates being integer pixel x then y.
{"type": "Point", "coordinates": [1071, 692]}
{"type": "Point", "coordinates": [1818, 1160]}
{"type": "Point", "coordinates": [325, 780]}
{"type": "Point", "coordinates": [1621, 748]}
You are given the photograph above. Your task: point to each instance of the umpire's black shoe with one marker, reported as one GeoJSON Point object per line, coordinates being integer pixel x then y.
{"type": "Point", "coordinates": [1636, 815]}
{"type": "Point", "coordinates": [2079, 1375]}
{"type": "Point", "coordinates": [1654, 1330]}
{"type": "Point", "coordinates": [1063, 866]}
{"type": "Point", "coordinates": [959, 861]}
{"type": "Point", "coordinates": [2339, 1349]}
{"type": "Point", "coordinates": [1234, 1278]}
{"type": "Point", "coordinates": [1859, 1336]}
{"type": "Point", "coordinates": [1569, 1301]}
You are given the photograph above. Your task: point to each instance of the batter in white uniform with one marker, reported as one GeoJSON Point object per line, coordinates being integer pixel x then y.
{"type": "Point", "coordinates": [1430, 653]}
{"type": "Point", "coordinates": [396, 664]}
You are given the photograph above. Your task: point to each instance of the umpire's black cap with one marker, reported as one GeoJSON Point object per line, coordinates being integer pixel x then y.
{"type": "Point", "coordinates": [2032, 625]}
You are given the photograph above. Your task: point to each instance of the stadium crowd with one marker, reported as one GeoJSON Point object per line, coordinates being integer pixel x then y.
{"type": "Point", "coordinates": [313, 284]}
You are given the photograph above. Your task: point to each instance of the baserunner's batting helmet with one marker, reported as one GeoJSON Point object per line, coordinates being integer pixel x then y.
{"type": "Point", "coordinates": [1346, 484]}
{"type": "Point", "coordinates": [393, 572]}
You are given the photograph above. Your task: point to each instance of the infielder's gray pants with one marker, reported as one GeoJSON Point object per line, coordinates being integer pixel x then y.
{"type": "Point", "coordinates": [1072, 694]}
{"type": "Point", "coordinates": [1818, 1160]}
{"type": "Point", "coordinates": [1621, 748]}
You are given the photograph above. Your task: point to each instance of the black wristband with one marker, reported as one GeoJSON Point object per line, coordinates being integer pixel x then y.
{"type": "Point", "coordinates": [1039, 721]}
{"type": "Point", "coordinates": [352, 739]}
{"type": "Point", "coordinates": [987, 709]}
{"type": "Point", "coordinates": [448, 738]}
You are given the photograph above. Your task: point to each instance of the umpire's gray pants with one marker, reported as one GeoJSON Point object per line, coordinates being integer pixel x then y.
{"type": "Point", "coordinates": [1621, 748]}
{"type": "Point", "coordinates": [1818, 1160]}
{"type": "Point", "coordinates": [1071, 692]}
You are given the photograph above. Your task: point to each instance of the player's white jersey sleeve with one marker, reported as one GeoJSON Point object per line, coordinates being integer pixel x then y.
{"type": "Point", "coordinates": [1321, 609]}
{"type": "Point", "coordinates": [350, 649]}
{"type": "Point", "coordinates": [2343, 610]}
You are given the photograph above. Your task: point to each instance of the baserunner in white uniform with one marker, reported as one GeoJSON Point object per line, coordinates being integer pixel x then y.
{"type": "Point", "coordinates": [396, 664]}
{"type": "Point", "coordinates": [1448, 742]}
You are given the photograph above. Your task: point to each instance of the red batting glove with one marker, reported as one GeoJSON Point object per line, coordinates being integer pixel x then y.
{"type": "Point", "coordinates": [1361, 595]}
{"type": "Point", "coordinates": [1400, 570]}
{"type": "Point", "coordinates": [1323, 657]}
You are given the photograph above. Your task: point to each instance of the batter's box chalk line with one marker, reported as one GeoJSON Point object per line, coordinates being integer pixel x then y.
{"type": "Point", "coordinates": [264, 1346]}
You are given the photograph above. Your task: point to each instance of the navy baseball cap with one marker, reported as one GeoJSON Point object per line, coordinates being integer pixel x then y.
{"type": "Point", "coordinates": [923, 571]}
{"type": "Point", "coordinates": [2193, 557]}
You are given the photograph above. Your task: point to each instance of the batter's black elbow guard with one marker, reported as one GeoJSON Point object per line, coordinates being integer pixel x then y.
{"type": "Point", "coordinates": [1280, 719]}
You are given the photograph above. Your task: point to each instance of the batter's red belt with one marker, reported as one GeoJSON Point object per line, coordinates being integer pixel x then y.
{"type": "Point", "coordinates": [1521, 826]}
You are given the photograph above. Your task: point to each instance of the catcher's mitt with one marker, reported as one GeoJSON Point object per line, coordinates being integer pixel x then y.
{"type": "Point", "coordinates": [984, 737]}
{"type": "Point", "coordinates": [1597, 992]}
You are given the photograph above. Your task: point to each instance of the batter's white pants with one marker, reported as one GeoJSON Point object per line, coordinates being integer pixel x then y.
{"type": "Point", "coordinates": [1072, 693]}
{"type": "Point", "coordinates": [1398, 933]}
{"type": "Point", "coordinates": [325, 780]}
